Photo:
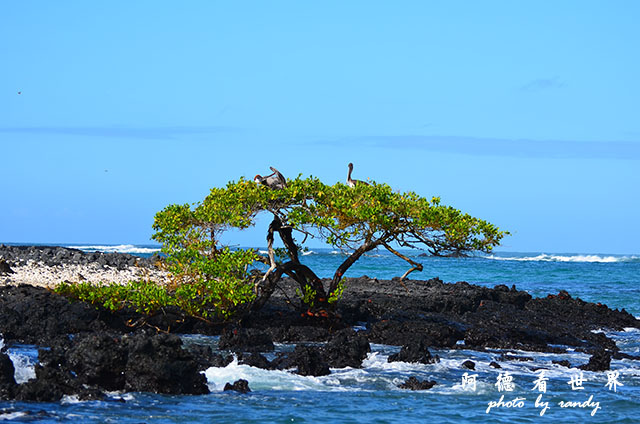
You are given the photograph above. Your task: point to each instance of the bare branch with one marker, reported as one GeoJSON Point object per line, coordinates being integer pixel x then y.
{"type": "Point", "coordinates": [416, 265]}
{"type": "Point", "coordinates": [272, 258]}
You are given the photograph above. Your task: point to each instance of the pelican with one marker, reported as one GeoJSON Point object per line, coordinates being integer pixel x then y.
{"type": "Point", "coordinates": [351, 182]}
{"type": "Point", "coordinates": [275, 180]}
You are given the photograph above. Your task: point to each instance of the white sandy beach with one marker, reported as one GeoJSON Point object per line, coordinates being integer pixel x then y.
{"type": "Point", "coordinates": [38, 274]}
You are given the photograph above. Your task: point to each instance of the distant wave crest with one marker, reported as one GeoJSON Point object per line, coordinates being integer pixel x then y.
{"type": "Point", "coordinates": [543, 257]}
{"type": "Point", "coordinates": [121, 248]}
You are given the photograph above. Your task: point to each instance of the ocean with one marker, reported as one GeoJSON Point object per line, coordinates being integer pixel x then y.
{"type": "Point", "coordinates": [513, 393]}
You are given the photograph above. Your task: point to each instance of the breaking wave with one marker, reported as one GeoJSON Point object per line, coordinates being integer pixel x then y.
{"type": "Point", "coordinates": [121, 248]}
{"type": "Point", "coordinates": [543, 257]}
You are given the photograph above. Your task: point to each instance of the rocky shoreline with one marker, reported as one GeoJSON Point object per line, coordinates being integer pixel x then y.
{"type": "Point", "coordinates": [46, 266]}
{"type": "Point", "coordinates": [87, 351]}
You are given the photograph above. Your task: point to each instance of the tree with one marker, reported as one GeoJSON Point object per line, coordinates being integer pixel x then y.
{"type": "Point", "coordinates": [355, 220]}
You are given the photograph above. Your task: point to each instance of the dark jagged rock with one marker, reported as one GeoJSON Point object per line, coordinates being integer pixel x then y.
{"type": "Point", "coordinates": [246, 340]}
{"type": "Point", "coordinates": [496, 325]}
{"type": "Point", "coordinates": [599, 361]}
{"type": "Point", "coordinates": [621, 355]}
{"type": "Point", "coordinates": [400, 333]}
{"type": "Point", "coordinates": [35, 315]}
{"type": "Point", "coordinates": [494, 364]}
{"type": "Point", "coordinates": [206, 358]}
{"type": "Point", "coordinates": [470, 365]}
{"type": "Point", "coordinates": [601, 341]}
{"type": "Point", "coordinates": [57, 255]}
{"type": "Point", "coordinates": [99, 360]}
{"type": "Point", "coordinates": [298, 333]}
{"type": "Point", "coordinates": [413, 383]}
{"type": "Point", "coordinates": [88, 365]}
{"type": "Point", "coordinates": [38, 390]}
{"type": "Point", "coordinates": [159, 364]}
{"type": "Point", "coordinates": [562, 362]}
{"type": "Point", "coordinates": [414, 352]}
{"type": "Point", "coordinates": [309, 361]}
{"type": "Point", "coordinates": [506, 357]}
{"type": "Point", "coordinates": [283, 361]}
{"type": "Point", "coordinates": [255, 359]}
{"type": "Point", "coordinates": [7, 380]}
{"type": "Point", "coordinates": [240, 386]}
{"type": "Point", "coordinates": [52, 382]}
{"type": "Point", "coordinates": [556, 320]}
{"type": "Point", "coordinates": [5, 268]}
{"type": "Point", "coordinates": [347, 348]}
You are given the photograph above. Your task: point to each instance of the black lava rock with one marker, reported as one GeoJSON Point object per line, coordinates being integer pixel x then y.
{"type": "Point", "coordinates": [506, 357]}
{"type": "Point", "coordinates": [7, 380]}
{"type": "Point", "coordinates": [240, 386]}
{"type": "Point", "coordinates": [309, 361]}
{"type": "Point", "coordinates": [298, 333]}
{"type": "Point", "coordinates": [5, 268]}
{"type": "Point", "coordinates": [90, 364]}
{"type": "Point", "coordinates": [57, 255]}
{"type": "Point", "coordinates": [562, 362]}
{"type": "Point", "coordinates": [401, 333]}
{"type": "Point", "coordinates": [99, 360]}
{"type": "Point", "coordinates": [347, 348]}
{"type": "Point", "coordinates": [413, 383]}
{"type": "Point", "coordinates": [246, 340]}
{"type": "Point", "coordinates": [255, 359]}
{"type": "Point", "coordinates": [206, 358]}
{"type": "Point", "coordinates": [414, 352]}
{"type": "Point", "coordinates": [35, 315]}
{"type": "Point", "coordinates": [159, 364]}
{"type": "Point", "coordinates": [599, 361]}
{"type": "Point", "coordinates": [469, 365]}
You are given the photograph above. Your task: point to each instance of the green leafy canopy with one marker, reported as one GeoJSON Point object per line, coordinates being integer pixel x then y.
{"type": "Point", "coordinates": [209, 280]}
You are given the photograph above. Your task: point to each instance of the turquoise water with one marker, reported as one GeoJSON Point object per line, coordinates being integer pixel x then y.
{"type": "Point", "coordinates": [370, 394]}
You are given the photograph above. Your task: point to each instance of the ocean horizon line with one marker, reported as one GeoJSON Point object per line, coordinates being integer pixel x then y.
{"type": "Point", "coordinates": [497, 254]}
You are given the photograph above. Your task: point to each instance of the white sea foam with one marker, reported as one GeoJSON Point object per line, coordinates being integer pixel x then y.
{"type": "Point", "coordinates": [376, 361]}
{"type": "Point", "coordinates": [376, 373]}
{"type": "Point", "coordinates": [543, 257]}
{"type": "Point", "coordinates": [70, 399]}
{"type": "Point", "coordinates": [24, 370]}
{"type": "Point", "coordinates": [260, 379]}
{"type": "Point", "coordinates": [308, 252]}
{"type": "Point", "coordinates": [121, 248]}
{"type": "Point", "coordinates": [12, 415]}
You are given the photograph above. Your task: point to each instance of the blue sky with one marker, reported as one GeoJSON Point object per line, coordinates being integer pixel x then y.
{"type": "Point", "coordinates": [521, 113]}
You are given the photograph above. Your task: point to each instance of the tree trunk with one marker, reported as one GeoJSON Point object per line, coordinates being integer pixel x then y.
{"type": "Point", "coordinates": [344, 266]}
{"type": "Point", "coordinates": [300, 273]}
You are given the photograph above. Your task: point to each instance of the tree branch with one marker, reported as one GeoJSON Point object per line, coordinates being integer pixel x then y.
{"type": "Point", "coordinates": [344, 266]}
{"type": "Point", "coordinates": [416, 265]}
{"type": "Point", "coordinates": [272, 258]}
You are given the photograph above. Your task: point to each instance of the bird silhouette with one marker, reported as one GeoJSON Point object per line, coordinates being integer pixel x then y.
{"type": "Point", "coordinates": [351, 182]}
{"type": "Point", "coordinates": [274, 180]}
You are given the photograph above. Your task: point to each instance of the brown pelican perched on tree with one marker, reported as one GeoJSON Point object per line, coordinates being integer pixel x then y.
{"type": "Point", "coordinates": [351, 182]}
{"type": "Point", "coordinates": [275, 180]}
